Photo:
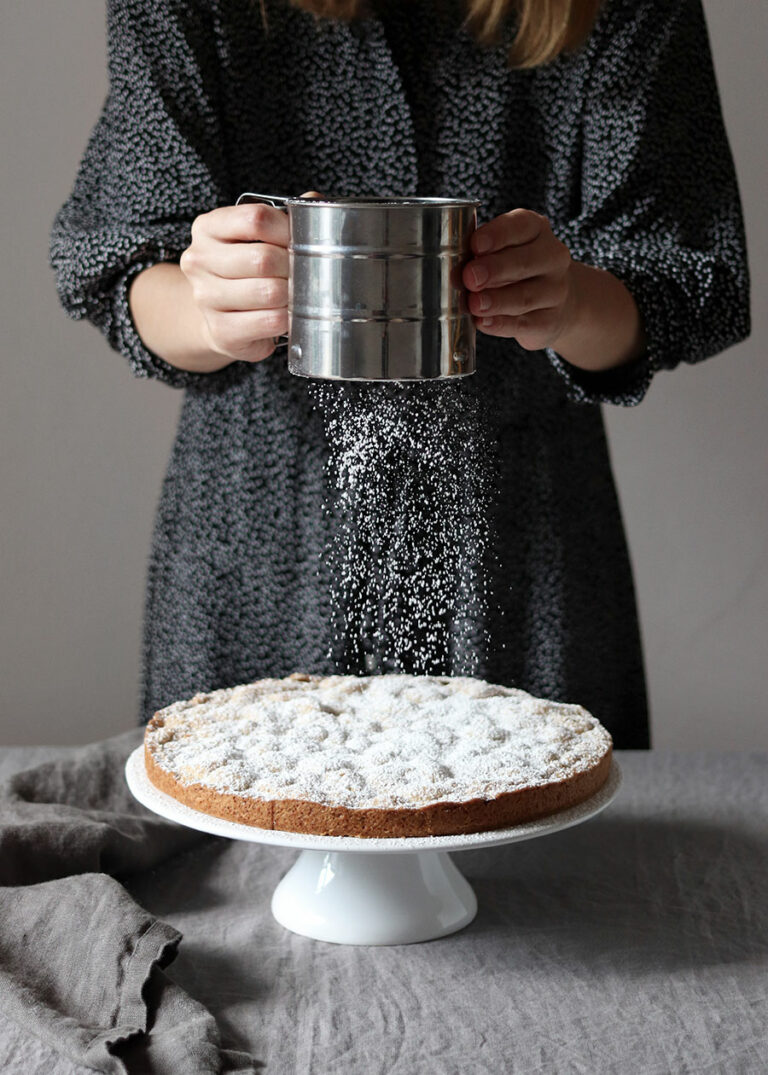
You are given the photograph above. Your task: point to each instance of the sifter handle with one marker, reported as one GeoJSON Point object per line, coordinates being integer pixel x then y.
{"type": "Point", "coordinates": [276, 200]}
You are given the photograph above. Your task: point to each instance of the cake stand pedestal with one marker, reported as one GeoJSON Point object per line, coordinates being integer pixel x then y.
{"type": "Point", "coordinates": [350, 890]}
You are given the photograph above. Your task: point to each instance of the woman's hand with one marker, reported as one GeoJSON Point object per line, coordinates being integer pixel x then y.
{"type": "Point", "coordinates": [520, 279]}
{"type": "Point", "coordinates": [227, 299]}
{"type": "Point", "coordinates": [524, 284]}
{"type": "Point", "coordinates": [237, 267]}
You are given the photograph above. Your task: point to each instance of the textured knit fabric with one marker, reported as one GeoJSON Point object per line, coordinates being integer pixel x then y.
{"type": "Point", "coordinates": [621, 146]}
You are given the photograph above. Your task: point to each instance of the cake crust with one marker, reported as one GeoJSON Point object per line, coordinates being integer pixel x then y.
{"type": "Point", "coordinates": [441, 818]}
{"type": "Point", "coordinates": [437, 819]}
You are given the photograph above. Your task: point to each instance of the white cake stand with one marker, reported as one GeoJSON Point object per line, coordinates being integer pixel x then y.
{"type": "Point", "coordinates": [351, 890]}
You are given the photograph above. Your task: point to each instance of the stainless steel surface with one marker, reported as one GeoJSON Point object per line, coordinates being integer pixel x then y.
{"type": "Point", "coordinates": [375, 287]}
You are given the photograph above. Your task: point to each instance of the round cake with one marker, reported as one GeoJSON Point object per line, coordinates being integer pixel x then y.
{"type": "Point", "coordinates": [376, 756]}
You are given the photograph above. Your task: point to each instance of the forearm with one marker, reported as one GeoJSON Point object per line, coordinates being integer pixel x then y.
{"type": "Point", "coordinates": [168, 320]}
{"type": "Point", "coordinates": [604, 328]}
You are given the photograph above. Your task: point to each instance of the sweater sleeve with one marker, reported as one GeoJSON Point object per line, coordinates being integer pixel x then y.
{"type": "Point", "coordinates": [154, 161]}
{"type": "Point", "coordinates": [660, 205]}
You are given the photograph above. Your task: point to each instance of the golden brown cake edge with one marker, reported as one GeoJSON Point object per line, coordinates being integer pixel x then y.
{"type": "Point", "coordinates": [436, 819]}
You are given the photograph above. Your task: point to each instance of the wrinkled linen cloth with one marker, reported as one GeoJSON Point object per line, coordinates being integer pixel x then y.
{"type": "Point", "coordinates": [634, 944]}
{"type": "Point", "coordinates": [81, 962]}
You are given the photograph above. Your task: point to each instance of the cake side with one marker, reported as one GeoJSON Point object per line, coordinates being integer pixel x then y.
{"type": "Point", "coordinates": [436, 819]}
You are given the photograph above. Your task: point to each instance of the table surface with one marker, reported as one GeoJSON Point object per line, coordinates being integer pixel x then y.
{"type": "Point", "coordinates": [636, 943]}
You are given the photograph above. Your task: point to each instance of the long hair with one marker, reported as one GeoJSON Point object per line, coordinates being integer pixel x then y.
{"type": "Point", "coordinates": [544, 28]}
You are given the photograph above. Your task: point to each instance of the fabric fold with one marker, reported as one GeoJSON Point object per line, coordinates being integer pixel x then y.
{"type": "Point", "coordinates": [81, 963]}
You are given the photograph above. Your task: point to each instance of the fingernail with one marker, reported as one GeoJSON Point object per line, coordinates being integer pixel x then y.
{"type": "Point", "coordinates": [486, 322]}
{"type": "Point", "coordinates": [484, 301]}
{"type": "Point", "coordinates": [479, 274]}
{"type": "Point", "coordinates": [482, 242]}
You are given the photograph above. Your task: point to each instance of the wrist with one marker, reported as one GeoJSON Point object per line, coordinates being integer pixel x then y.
{"type": "Point", "coordinates": [169, 322]}
{"type": "Point", "coordinates": [602, 327]}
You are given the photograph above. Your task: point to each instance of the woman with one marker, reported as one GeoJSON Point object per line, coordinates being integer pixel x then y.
{"type": "Point", "coordinates": [593, 139]}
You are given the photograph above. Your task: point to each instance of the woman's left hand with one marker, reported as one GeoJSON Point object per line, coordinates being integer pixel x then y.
{"type": "Point", "coordinates": [520, 280]}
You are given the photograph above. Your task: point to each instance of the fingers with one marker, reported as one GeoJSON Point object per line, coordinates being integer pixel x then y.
{"type": "Point", "coordinates": [257, 351]}
{"type": "Point", "coordinates": [237, 265]}
{"type": "Point", "coordinates": [235, 261]}
{"type": "Point", "coordinates": [496, 270]}
{"type": "Point", "coordinates": [509, 266]}
{"type": "Point", "coordinates": [533, 331]}
{"type": "Point", "coordinates": [248, 223]}
{"type": "Point", "coordinates": [535, 293]}
{"type": "Point", "coordinates": [259, 293]}
{"type": "Point", "coordinates": [534, 251]}
{"type": "Point", "coordinates": [510, 229]}
{"type": "Point", "coordinates": [237, 333]}
{"type": "Point", "coordinates": [531, 311]}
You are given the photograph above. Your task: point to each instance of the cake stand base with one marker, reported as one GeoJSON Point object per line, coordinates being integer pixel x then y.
{"type": "Point", "coordinates": [359, 898]}
{"type": "Point", "coordinates": [351, 890]}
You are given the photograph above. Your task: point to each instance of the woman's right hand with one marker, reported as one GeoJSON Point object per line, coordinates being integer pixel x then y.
{"type": "Point", "coordinates": [227, 299]}
{"type": "Point", "coordinates": [237, 267]}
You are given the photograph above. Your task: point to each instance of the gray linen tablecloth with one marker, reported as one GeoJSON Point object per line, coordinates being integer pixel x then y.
{"type": "Point", "coordinates": [635, 943]}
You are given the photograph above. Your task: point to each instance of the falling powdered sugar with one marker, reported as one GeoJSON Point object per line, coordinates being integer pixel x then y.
{"type": "Point", "coordinates": [408, 491]}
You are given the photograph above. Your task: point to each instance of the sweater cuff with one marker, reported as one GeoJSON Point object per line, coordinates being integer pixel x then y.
{"type": "Point", "coordinates": [623, 386]}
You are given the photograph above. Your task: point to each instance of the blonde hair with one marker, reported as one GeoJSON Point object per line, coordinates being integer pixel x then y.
{"type": "Point", "coordinates": [545, 28]}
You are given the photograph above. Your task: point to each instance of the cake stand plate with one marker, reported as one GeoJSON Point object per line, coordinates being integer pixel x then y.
{"type": "Point", "coordinates": [350, 890]}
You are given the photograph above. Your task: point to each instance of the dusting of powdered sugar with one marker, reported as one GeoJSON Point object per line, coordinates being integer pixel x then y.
{"type": "Point", "coordinates": [408, 483]}
{"type": "Point", "coordinates": [388, 742]}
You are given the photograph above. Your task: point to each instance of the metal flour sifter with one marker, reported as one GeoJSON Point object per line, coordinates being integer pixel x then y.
{"type": "Point", "coordinates": [375, 290]}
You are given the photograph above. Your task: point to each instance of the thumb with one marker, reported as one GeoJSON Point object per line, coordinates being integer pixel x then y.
{"type": "Point", "coordinates": [311, 194]}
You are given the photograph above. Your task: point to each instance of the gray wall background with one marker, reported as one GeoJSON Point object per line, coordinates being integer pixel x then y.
{"type": "Point", "coordinates": [83, 445]}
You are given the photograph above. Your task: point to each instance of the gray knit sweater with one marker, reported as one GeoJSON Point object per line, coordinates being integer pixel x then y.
{"type": "Point", "coordinates": [621, 146]}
